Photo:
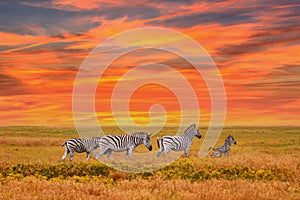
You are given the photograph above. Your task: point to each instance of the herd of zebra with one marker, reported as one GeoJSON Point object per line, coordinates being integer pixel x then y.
{"type": "Point", "coordinates": [128, 143]}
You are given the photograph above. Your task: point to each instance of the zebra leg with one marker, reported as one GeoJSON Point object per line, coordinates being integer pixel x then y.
{"type": "Point", "coordinates": [216, 154]}
{"type": "Point", "coordinates": [87, 156]}
{"type": "Point", "coordinates": [226, 153]}
{"type": "Point", "coordinates": [65, 154]}
{"type": "Point", "coordinates": [90, 151]}
{"type": "Point", "coordinates": [165, 152]}
{"type": "Point", "coordinates": [109, 153]}
{"type": "Point", "coordinates": [71, 155]}
{"type": "Point", "coordinates": [130, 153]}
{"type": "Point", "coordinates": [160, 151]}
{"type": "Point", "coordinates": [186, 152]}
{"type": "Point", "coordinates": [93, 153]}
{"type": "Point", "coordinates": [101, 152]}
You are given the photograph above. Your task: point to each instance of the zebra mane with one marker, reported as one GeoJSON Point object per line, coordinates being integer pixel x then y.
{"type": "Point", "coordinates": [139, 134]}
{"type": "Point", "coordinates": [228, 137]}
{"type": "Point", "coordinates": [189, 129]}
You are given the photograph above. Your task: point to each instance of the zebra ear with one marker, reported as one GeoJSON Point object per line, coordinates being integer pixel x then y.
{"type": "Point", "coordinates": [150, 135]}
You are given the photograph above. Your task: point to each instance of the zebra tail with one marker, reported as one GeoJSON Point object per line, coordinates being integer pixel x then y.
{"type": "Point", "coordinates": [210, 148]}
{"type": "Point", "coordinates": [64, 144]}
{"type": "Point", "coordinates": [158, 141]}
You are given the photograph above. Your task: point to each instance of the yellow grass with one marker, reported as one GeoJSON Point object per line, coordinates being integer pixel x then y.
{"type": "Point", "coordinates": [32, 188]}
{"type": "Point", "coordinates": [271, 154]}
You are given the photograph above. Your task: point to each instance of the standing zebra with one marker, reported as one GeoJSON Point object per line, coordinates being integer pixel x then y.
{"type": "Point", "coordinates": [223, 149]}
{"type": "Point", "coordinates": [80, 145]}
{"type": "Point", "coordinates": [119, 143]}
{"type": "Point", "coordinates": [178, 143]}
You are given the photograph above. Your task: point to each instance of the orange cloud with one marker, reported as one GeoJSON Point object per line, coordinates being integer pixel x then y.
{"type": "Point", "coordinates": [255, 48]}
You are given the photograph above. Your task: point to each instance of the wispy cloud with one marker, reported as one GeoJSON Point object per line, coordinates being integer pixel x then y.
{"type": "Point", "coordinates": [255, 45]}
{"type": "Point", "coordinates": [10, 85]}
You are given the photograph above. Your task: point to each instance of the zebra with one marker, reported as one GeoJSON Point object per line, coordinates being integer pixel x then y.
{"type": "Point", "coordinates": [80, 145]}
{"type": "Point", "coordinates": [223, 149]}
{"type": "Point", "coordinates": [178, 143]}
{"type": "Point", "coordinates": [119, 143]}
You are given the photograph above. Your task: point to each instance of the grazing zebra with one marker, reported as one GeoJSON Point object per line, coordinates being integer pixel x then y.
{"type": "Point", "coordinates": [80, 145]}
{"type": "Point", "coordinates": [178, 143]}
{"type": "Point", "coordinates": [119, 143]}
{"type": "Point", "coordinates": [223, 149]}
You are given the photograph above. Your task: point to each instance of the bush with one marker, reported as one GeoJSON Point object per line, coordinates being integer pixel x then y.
{"type": "Point", "coordinates": [185, 170]}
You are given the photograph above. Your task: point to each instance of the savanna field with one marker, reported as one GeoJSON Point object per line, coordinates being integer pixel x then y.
{"type": "Point", "coordinates": [265, 164]}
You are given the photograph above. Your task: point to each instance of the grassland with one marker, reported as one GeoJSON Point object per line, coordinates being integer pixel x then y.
{"type": "Point", "coordinates": [265, 164]}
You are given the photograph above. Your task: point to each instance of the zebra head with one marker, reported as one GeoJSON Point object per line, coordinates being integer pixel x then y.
{"type": "Point", "coordinates": [198, 135]}
{"type": "Point", "coordinates": [192, 131]}
{"type": "Point", "coordinates": [147, 141]}
{"type": "Point", "coordinates": [231, 140]}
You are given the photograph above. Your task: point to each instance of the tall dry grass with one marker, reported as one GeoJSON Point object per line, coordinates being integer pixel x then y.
{"type": "Point", "coordinates": [31, 188]}
{"type": "Point", "coordinates": [31, 142]}
{"type": "Point", "coordinates": [260, 148]}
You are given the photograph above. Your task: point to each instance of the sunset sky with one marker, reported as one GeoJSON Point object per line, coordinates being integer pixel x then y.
{"type": "Point", "coordinates": [254, 44]}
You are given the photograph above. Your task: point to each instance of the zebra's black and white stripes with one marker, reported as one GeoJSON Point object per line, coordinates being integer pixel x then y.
{"type": "Point", "coordinates": [128, 143]}
{"type": "Point", "coordinates": [80, 145]}
{"type": "Point", "coordinates": [119, 143]}
{"type": "Point", "coordinates": [225, 148]}
{"type": "Point", "coordinates": [178, 143]}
